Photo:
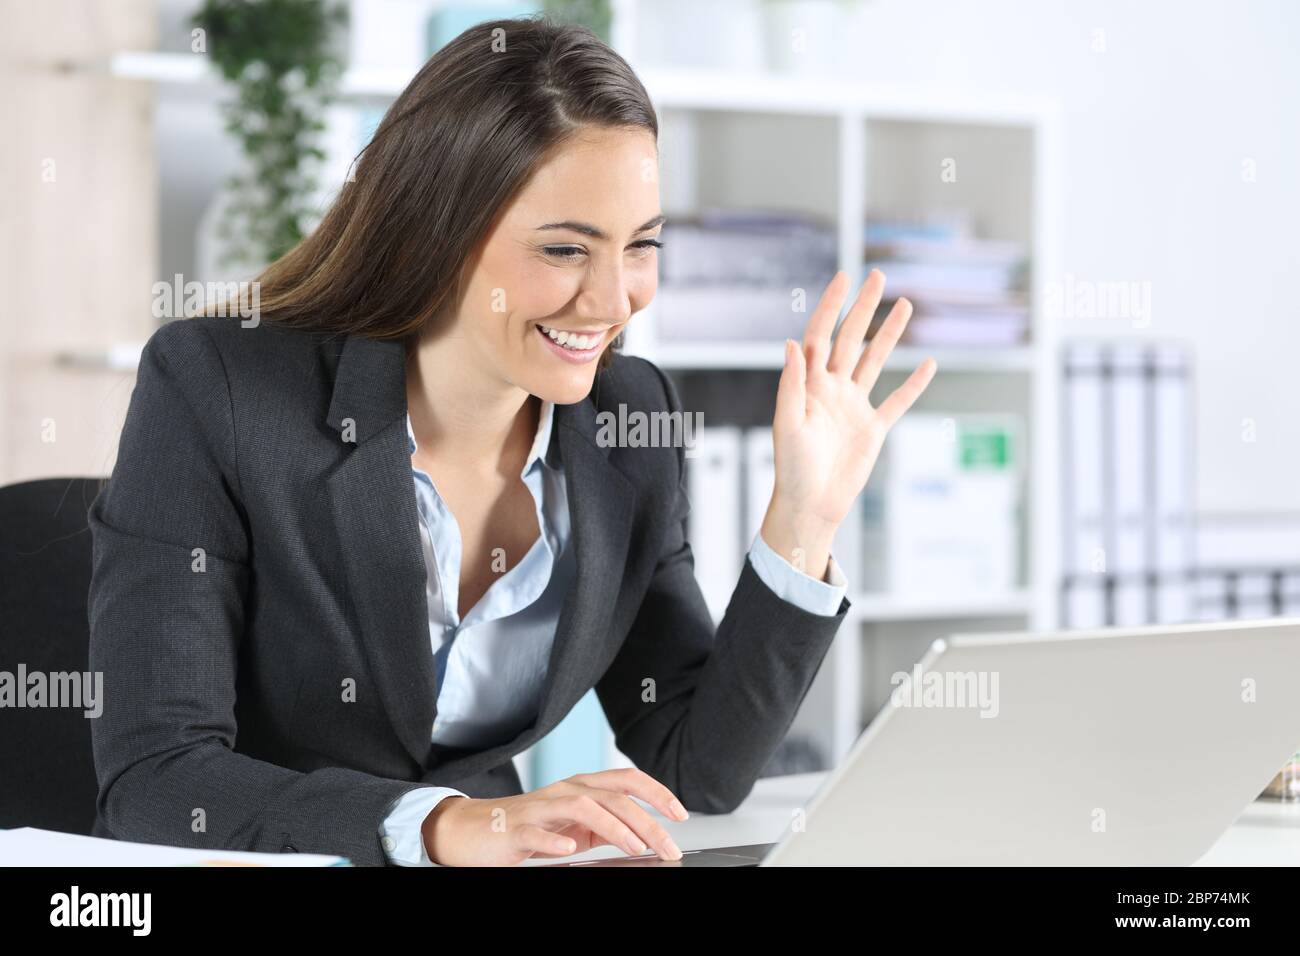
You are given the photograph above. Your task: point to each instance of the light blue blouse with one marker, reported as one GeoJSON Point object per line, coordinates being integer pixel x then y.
{"type": "Point", "coordinates": [491, 666]}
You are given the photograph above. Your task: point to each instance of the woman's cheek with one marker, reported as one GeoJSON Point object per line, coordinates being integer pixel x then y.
{"type": "Point", "coordinates": [544, 290]}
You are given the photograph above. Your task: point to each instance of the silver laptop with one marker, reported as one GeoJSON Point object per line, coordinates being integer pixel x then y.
{"type": "Point", "coordinates": [1124, 746]}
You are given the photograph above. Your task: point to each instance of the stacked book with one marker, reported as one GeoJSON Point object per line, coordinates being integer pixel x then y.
{"type": "Point", "coordinates": [965, 291]}
{"type": "Point", "coordinates": [747, 275]}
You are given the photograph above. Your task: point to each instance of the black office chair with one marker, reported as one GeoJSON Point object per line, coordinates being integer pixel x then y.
{"type": "Point", "coordinates": [47, 772]}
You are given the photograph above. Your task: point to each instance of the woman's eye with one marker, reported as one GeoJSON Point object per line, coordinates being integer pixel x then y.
{"type": "Point", "coordinates": [571, 253]}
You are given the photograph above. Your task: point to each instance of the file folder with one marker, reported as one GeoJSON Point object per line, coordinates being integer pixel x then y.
{"type": "Point", "coordinates": [1127, 496]}
{"type": "Point", "coordinates": [714, 523]}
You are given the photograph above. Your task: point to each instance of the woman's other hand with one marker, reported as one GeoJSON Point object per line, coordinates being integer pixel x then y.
{"type": "Point", "coordinates": [570, 816]}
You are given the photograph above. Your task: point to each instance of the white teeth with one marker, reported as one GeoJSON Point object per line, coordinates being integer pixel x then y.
{"type": "Point", "coordinates": [571, 340]}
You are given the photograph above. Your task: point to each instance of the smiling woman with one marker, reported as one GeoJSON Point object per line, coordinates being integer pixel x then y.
{"type": "Point", "coordinates": [407, 511]}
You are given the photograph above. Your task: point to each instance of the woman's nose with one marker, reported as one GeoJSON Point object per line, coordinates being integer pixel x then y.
{"type": "Point", "coordinates": [605, 296]}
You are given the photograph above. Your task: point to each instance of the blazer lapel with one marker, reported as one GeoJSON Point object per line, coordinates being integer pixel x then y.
{"type": "Point", "coordinates": [372, 499]}
{"type": "Point", "coordinates": [601, 500]}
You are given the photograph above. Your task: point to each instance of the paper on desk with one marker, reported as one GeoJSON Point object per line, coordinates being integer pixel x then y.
{"type": "Point", "coordinates": [28, 846]}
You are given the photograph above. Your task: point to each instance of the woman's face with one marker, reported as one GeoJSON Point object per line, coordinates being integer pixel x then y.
{"type": "Point", "coordinates": [572, 256]}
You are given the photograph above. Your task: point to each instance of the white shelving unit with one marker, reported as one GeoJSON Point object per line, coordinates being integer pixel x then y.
{"type": "Point", "coordinates": [850, 130]}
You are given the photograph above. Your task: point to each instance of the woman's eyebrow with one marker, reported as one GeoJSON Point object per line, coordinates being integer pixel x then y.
{"type": "Point", "coordinates": [590, 230]}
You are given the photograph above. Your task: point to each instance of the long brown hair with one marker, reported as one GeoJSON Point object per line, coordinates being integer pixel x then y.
{"type": "Point", "coordinates": [451, 152]}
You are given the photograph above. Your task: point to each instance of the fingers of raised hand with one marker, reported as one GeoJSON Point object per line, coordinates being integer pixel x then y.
{"type": "Point", "coordinates": [903, 397]}
{"type": "Point", "coordinates": [817, 336]}
{"type": "Point", "coordinates": [873, 360]}
{"type": "Point", "coordinates": [848, 341]}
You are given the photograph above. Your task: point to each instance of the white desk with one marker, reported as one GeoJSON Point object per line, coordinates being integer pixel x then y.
{"type": "Point", "coordinates": [1266, 834]}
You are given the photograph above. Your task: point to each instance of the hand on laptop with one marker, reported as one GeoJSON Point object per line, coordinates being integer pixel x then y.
{"type": "Point", "coordinates": [570, 816]}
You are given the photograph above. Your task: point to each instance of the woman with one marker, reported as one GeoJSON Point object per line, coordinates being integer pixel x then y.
{"type": "Point", "coordinates": [355, 557]}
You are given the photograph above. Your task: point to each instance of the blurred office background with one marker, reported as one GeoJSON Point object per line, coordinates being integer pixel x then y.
{"type": "Point", "coordinates": [1092, 205]}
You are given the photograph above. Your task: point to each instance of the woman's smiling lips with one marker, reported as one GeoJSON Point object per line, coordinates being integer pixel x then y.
{"type": "Point", "coordinates": [576, 356]}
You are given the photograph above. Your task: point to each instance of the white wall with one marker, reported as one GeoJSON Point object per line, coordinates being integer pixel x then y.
{"type": "Point", "coordinates": [1155, 132]}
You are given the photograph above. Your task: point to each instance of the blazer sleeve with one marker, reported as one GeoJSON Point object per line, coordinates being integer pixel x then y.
{"type": "Point", "coordinates": [167, 607]}
{"type": "Point", "coordinates": [701, 709]}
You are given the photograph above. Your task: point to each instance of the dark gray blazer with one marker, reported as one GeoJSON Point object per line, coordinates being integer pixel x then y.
{"type": "Point", "coordinates": [248, 562]}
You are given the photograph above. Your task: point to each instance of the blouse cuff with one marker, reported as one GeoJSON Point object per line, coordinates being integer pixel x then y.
{"type": "Point", "coordinates": [400, 834]}
{"type": "Point", "coordinates": [798, 587]}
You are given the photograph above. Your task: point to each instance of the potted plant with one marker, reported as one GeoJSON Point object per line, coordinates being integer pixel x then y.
{"type": "Point", "coordinates": [283, 58]}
